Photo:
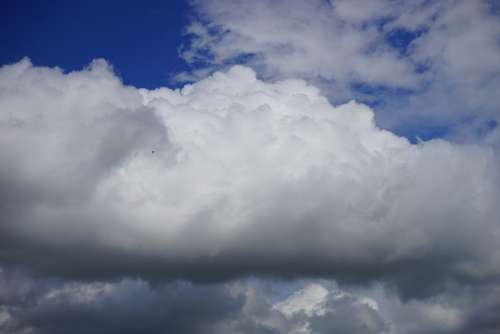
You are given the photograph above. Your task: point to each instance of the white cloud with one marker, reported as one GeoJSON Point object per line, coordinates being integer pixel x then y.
{"type": "Point", "coordinates": [193, 182]}
{"type": "Point", "coordinates": [318, 309]}
{"type": "Point", "coordinates": [359, 11]}
{"type": "Point", "coordinates": [310, 300]}
{"type": "Point", "coordinates": [308, 39]}
{"type": "Point", "coordinates": [460, 47]}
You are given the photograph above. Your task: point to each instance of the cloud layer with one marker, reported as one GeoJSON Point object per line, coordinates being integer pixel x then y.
{"type": "Point", "coordinates": [38, 306]}
{"type": "Point", "coordinates": [230, 177]}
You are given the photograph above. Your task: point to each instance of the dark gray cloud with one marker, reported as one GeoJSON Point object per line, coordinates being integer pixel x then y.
{"type": "Point", "coordinates": [39, 306]}
{"type": "Point", "coordinates": [134, 306]}
{"type": "Point", "coordinates": [483, 317]}
{"type": "Point", "coordinates": [128, 306]}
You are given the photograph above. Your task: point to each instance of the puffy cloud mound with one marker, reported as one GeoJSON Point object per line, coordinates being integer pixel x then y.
{"type": "Point", "coordinates": [232, 176]}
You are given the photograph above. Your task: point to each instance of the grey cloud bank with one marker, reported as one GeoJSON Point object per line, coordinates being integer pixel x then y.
{"type": "Point", "coordinates": [246, 178]}
{"type": "Point", "coordinates": [35, 305]}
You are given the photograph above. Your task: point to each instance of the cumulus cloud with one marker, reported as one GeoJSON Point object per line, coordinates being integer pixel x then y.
{"type": "Point", "coordinates": [424, 63]}
{"type": "Point", "coordinates": [230, 177]}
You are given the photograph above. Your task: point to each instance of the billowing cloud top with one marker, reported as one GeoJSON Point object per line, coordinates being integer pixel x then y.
{"type": "Point", "coordinates": [232, 176]}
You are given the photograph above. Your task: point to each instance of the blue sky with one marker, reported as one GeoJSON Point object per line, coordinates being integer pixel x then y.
{"type": "Point", "coordinates": [263, 166]}
{"type": "Point", "coordinates": [139, 38]}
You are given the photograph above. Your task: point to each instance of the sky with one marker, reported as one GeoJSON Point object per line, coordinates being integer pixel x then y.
{"type": "Point", "coordinates": [139, 40]}
{"type": "Point", "coordinates": [216, 166]}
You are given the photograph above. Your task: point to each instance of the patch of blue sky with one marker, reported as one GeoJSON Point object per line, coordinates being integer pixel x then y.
{"type": "Point", "coordinates": [140, 41]}
{"type": "Point", "coordinates": [378, 96]}
{"type": "Point", "coordinates": [485, 128]}
{"type": "Point", "coordinates": [477, 130]}
{"type": "Point", "coordinates": [401, 39]}
{"type": "Point", "coordinates": [416, 133]}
